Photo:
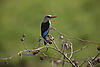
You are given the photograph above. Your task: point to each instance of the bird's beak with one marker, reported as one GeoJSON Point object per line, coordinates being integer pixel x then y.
{"type": "Point", "coordinates": [53, 16]}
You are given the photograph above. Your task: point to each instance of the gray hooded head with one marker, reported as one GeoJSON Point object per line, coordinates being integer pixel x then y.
{"type": "Point", "coordinates": [46, 18]}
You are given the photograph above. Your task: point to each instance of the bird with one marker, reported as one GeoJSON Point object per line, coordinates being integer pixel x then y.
{"type": "Point", "coordinates": [45, 27]}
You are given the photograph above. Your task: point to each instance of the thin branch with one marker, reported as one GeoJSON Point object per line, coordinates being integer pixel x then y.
{"type": "Point", "coordinates": [53, 58]}
{"type": "Point", "coordinates": [96, 56]}
{"type": "Point", "coordinates": [90, 63]}
{"type": "Point", "coordinates": [14, 55]}
{"type": "Point", "coordinates": [83, 63]}
{"type": "Point", "coordinates": [71, 51]}
{"type": "Point", "coordinates": [70, 37]}
{"type": "Point", "coordinates": [22, 40]}
{"type": "Point", "coordinates": [55, 45]}
{"type": "Point", "coordinates": [63, 49]}
{"type": "Point", "coordinates": [24, 45]}
{"type": "Point", "coordinates": [39, 49]}
{"type": "Point", "coordinates": [87, 60]}
{"type": "Point", "coordinates": [78, 50]}
{"type": "Point", "coordinates": [63, 54]}
{"type": "Point", "coordinates": [20, 52]}
{"type": "Point", "coordinates": [63, 62]}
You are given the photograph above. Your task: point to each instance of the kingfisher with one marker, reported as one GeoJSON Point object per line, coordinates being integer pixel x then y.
{"type": "Point", "coordinates": [45, 27]}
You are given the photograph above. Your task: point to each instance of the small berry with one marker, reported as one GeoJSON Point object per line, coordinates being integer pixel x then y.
{"type": "Point", "coordinates": [98, 48]}
{"type": "Point", "coordinates": [50, 42]}
{"type": "Point", "coordinates": [75, 62]}
{"type": "Point", "coordinates": [36, 52]}
{"type": "Point", "coordinates": [20, 54]}
{"type": "Point", "coordinates": [61, 37]}
{"type": "Point", "coordinates": [29, 51]}
{"type": "Point", "coordinates": [22, 39]}
{"type": "Point", "coordinates": [6, 62]}
{"type": "Point", "coordinates": [52, 38]}
{"type": "Point", "coordinates": [95, 62]}
{"type": "Point", "coordinates": [98, 60]}
{"type": "Point", "coordinates": [39, 40]}
{"type": "Point", "coordinates": [41, 57]}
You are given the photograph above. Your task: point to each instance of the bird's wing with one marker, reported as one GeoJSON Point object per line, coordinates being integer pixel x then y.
{"type": "Point", "coordinates": [45, 33]}
{"type": "Point", "coordinates": [45, 28]}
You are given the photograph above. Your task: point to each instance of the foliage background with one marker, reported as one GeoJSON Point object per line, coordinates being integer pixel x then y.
{"type": "Point", "coordinates": [79, 18]}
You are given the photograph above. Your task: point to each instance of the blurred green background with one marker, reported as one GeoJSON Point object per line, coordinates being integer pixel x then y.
{"type": "Point", "coordinates": [78, 18]}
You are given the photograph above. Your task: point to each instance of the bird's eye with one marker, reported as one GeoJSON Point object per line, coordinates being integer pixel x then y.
{"type": "Point", "coordinates": [48, 16]}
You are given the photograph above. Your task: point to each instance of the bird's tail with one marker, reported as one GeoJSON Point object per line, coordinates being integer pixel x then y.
{"type": "Point", "coordinates": [45, 40]}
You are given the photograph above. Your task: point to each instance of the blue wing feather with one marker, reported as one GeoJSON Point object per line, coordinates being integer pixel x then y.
{"type": "Point", "coordinates": [44, 36]}
{"type": "Point", "coordinates": [45, 33]}
{"type": "Point", "coordinates": [45, 41]}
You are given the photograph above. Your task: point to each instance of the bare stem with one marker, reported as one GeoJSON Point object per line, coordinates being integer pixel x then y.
{"type": "Point", "coordinates": [71, 37]}
{"type": "Point", "coordinates": [40, 49]}
{"type": "Point", "coordinates": [78, 50]}
{"type": "Point", "coordinates": [96, 56]}
{"type": "Point", "coordinates": [71, 50]}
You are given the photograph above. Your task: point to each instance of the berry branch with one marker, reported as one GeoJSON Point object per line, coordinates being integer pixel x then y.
{"type": "Point", "coordinates": [66, 51]}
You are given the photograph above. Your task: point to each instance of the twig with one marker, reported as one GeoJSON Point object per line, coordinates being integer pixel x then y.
{"type": "Point", "coordinates": [83, 62]}
{"type": "Point", "coordinates": [90, 64]}
{"type": "Point", "coordinates": [24, 45]}
{"type": "Point", "coordinates": [96, 56]}
{"type": "Point", "coordinates": [63, 54]}
{"type": "Point", "coordinates": [71, 50]}
{"type": "Point", "coordinates": [22, 40]}
{"type": "Point", "coordinates": [63, 49]}
{"type": "Point", "coordinates": [39, 49]}
{"type": "Point", "coordinates": [55, 45]}
{"type": "Point", "coordinates": [70, 37]}
{"type": "Point", "coordinates": [13, 56]}
{"type": "Point", "coordinates": [78, 50]}
{"type": "Point", "coordinates": [53, 58]}
{"type": "Point", "coordinates": [63, 62]}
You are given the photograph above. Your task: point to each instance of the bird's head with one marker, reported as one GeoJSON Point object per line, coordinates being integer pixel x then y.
{"type": "Point", "coordinates": [48, 17]}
